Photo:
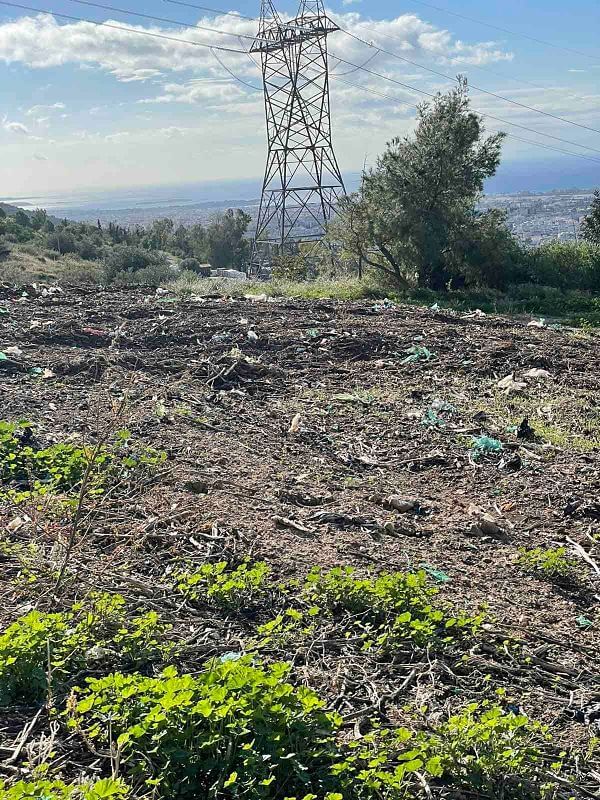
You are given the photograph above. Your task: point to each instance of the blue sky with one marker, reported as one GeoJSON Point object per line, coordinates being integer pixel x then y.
{"type": "Point", "coordinates": [93, 107]}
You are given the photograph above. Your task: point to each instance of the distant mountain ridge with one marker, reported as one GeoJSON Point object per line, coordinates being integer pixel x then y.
{"type": "Point", "coordinates": [12, 210]}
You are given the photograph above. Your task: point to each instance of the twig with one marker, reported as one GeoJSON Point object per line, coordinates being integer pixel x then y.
{"type": "Point", "coordinates": [585, 555]}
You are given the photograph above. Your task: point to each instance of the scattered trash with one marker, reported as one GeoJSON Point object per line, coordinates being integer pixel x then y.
{"type": "Point", "coordinates": [417, 353]}
{"type": "Point", "coordinates": [3, 310]}
{"type": "Point", "coordinates": [437, 574]}
{"type": "Point", "coordinates": [256, 298]}
{"type": "Point", "coordinates": [401, 504]}
{"type": "Point", "coordinates": [537, 323]}
{"type": "Point", "coordinates": [537, 373]}
{"type": "Point", "coordinates": [486, 525]}
{"type": "Point", "coordinates": [510, 384]}
{"type": "Point", "coordinates": [232, 656]}
{"type": "Point", "coordinates": [47, 374]}
{"type": "Point", "coordinates": [584, 622]}
{"type": "Point", "coordinates": [485, 446]}
{"type": "Point", "coordinates": [296, 423]}
{"type": "Point", "coordinates": [252, 336]}
{"type": "Point", "coordinates": [525, 431]}
{"type": "Point", "coordinates": [13, 351]}
{"type": "Point", "coordinates": [434, 307]}
{"type": "Point", "coordinates": [284, 522]}
{"type": "Point", "coordinates": [475, 314]}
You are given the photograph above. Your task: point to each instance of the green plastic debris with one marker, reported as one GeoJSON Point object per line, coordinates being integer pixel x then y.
{"type": "Point", "coordinates": [437, 574]}
{"type": "Point", "coordinates": [417, 353]}
{"type": "Point", "coordinates": [485, 446]}
{"type": "Point", "coordinates": [3, 310]}
{"type": "Point", "coordinates": [432, 420]}
{"type": "Point", "coordinates": [584, 622]}
{"type": "Point", "coordinates": [3, 356]}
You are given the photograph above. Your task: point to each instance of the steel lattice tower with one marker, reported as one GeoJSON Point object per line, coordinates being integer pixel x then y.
{"type": "Point", "coordinates": [302, 181]}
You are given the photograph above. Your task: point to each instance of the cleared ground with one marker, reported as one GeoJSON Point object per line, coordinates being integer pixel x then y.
{"type": "Point", "coordinates": [323, 434]}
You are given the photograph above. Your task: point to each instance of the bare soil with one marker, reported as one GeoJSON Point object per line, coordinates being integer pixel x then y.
{"type": "Point", "coordinates": [288, 425]}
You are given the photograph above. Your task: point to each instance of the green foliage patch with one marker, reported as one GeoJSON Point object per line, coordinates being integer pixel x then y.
{"type": "Point", "coordinates": [240, 729]}
{"type": "Point", "coordinates": [64, 643]}
{"type": "Point", "coordinates": [226, 586]}
{"type": "Point", "coordinates": [28, 470]}
{"type": "Point", "coordinates": [105, 789]}
{"type": "Point", "coordinates": [236, 730]}
{"type": "Point", "coordinates": [553, 563]}
{"type": "Point", "coordinates": [483, 748]}
{"type": "Point", "coordinates": [389, 609]}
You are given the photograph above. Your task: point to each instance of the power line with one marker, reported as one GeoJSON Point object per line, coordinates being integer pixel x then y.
{"type": "Point", "coordinates": [507, 30]}
{"type": "Point", "coordinates": [509, 135]}
{"type": "Point", "coordinates": [456, 61]}
{"type": "Point", "coordinates": [213, 10]}
{"type": "Point", "coordinates": [355, 67]}
{"type": "Point", "coordinates": [163, 19]}
{"type": "Point", "coordinates": [122, 28]}
{"type": "Point", "coordinates": [473, 86]}
{"type": "Point", "coordinates": [490, 116]}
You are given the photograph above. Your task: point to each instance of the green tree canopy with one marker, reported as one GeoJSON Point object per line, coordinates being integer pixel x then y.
{"type": "Point", "coordinates": [415, 207]}
{"type": "Point", "coordinates": [590, 227]}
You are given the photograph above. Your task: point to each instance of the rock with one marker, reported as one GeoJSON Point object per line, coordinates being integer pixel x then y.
{"type": "Point", "coordinates": [401, 504]}
{"type": "Point", "coordinates": [486, 525]}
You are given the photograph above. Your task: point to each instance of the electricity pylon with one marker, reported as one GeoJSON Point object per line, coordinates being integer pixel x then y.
{"type": "Point", "coordinates": [302, 182]}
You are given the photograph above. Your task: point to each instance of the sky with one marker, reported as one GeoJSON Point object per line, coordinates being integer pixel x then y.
{"type": "Point", "coordinates": [83, 106]}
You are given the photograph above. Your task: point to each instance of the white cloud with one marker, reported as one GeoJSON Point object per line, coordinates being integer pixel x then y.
{"type": "Point", "coordinates": [31, 112]}
{"type": "Point", "coordinates": [16, 127]}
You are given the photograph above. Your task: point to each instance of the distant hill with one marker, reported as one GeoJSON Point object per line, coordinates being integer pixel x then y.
{"type": "Point", "coordinates": [11, 210]}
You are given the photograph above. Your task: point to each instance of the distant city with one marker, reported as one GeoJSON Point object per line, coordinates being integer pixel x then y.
{"type": "Point", "coordinates": [541, 217]}
{"type": "Point", "coordinates": [533, 217]}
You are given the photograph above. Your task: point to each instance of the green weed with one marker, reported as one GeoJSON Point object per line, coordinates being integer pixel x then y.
{"type": "Point", "coordinates": [106, 789]}
{"type": "Point", "coordinates": [40, 644]}
{"type": "Point", "coordinates": [28, 471]}
{"type": "Point", "coordinates": [482, 748]}
{"type": "Point", "coordinates": [226, 586]}
{"type": "Point", "coordinates": [236, 730]}
{"type": "Point", "coordinates": [553, 563]}
{"type": "Point", "coordinates": [388, 609]}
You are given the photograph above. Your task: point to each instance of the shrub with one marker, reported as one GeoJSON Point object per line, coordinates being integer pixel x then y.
{"type": "Point", "coordinates": [67, 642]}
{"type": "Point", "coordinates": [235, 730]}
{"type": "Point", "coordinates": [193, 265]}
{"type": "Point", "coordinates": [566, 265]}
{"type": "Point", "coordinates": [129, 260]}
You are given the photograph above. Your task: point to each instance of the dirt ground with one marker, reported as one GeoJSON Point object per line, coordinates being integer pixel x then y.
{"type": "Point", "coordinates": [288, 427]}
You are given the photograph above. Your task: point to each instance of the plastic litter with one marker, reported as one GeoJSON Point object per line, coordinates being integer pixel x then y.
{"type": "Point", "coordinates": [437, 574]}
{"type": "Point", "coordinates": [417, 353]}
{"type": "Point", "coordinates": [485, 446]}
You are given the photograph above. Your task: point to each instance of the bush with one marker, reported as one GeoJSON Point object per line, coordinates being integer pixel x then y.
{"type": "Point", "coordinates": [566, 265]}
{"type": "Point", "coordinates": [238, 730]}
{"type": "Point", "coordinates": [129, 260]}
{"type": "Point", "coordinates": [155, 275]}
{"type": "Point", "coordinates": [193, 265]}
